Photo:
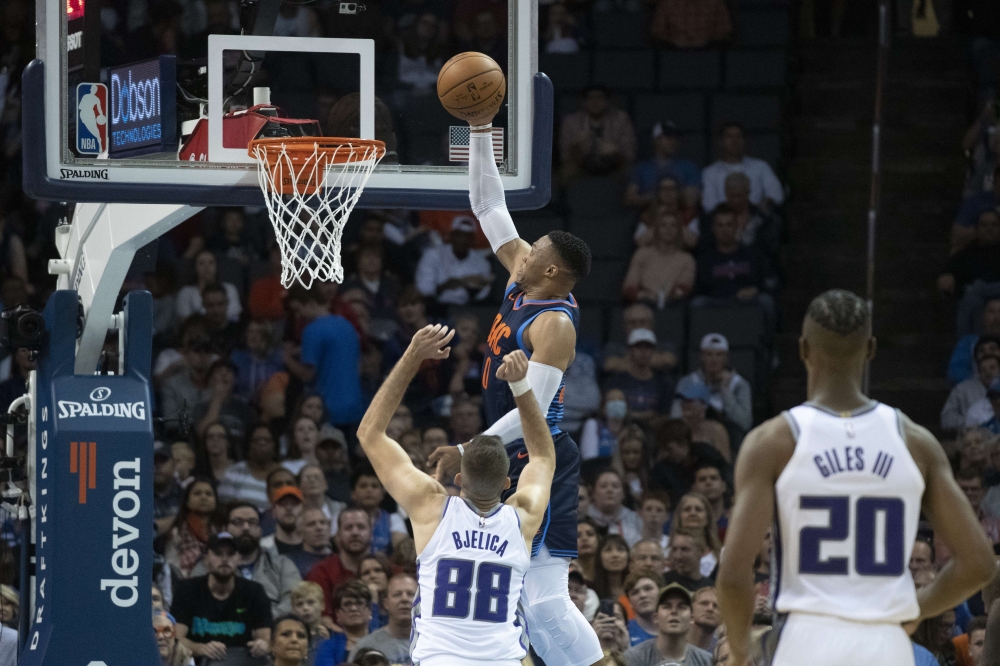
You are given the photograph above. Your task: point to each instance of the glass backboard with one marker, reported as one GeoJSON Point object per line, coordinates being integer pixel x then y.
{"type": "Point", "coordinates": [155, 102]}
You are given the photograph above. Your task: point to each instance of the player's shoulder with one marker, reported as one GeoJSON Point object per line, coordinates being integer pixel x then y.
{"type": "Point", "coordinates": [553, 325]}
{"type": "Point", "coordinates": [924, 447]}
{"type": "Point", "coordinates": [768, 447]}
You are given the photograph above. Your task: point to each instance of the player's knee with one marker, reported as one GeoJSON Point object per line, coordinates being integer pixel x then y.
{"type": "Point", "coordinates": [551, 624]}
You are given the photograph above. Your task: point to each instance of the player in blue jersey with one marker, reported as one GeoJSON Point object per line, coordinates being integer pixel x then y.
{"type": "Point", "coordinates": [540, 317]}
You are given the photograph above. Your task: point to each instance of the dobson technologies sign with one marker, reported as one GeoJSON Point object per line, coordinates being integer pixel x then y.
{"type": "Point", "coordinates": [143, 107]}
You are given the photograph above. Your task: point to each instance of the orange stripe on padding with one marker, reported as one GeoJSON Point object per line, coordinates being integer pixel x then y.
{"type": "Point", "coordinates": [92, 470]}
{"type": "Point", "coordinates": [72, 457]}
{"type": "Point", "coordinates": [83, 472]}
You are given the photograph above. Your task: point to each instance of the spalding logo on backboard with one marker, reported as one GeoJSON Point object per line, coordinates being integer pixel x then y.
{"type": "Point", "coordinates": [91, 118]}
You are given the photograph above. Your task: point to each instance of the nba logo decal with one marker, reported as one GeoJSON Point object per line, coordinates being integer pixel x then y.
{"type": "Point", "coordinates": [91, 118]}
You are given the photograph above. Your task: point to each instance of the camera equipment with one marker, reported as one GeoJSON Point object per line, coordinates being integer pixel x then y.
{"type": "Point", "coordinates": [22, 327]}
{"type": "Point", "coordinates": [351, 8]}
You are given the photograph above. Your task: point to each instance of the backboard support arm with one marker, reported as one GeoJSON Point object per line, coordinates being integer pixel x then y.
{"type": "Point", "coordinates": [96, 252]}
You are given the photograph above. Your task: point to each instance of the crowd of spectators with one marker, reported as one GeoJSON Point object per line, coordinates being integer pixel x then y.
{"type": "Point", "coordinates": [274, 537]}
{"type": "Point", "coordinates": [968, 422]}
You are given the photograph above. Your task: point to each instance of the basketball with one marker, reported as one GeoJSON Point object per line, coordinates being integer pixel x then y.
{"type": "Point", "coordinates": [471, 86]}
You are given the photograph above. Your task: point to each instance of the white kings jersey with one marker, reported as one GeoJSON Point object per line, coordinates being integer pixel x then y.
{"type": "Point", "coordinates": [470, 576]}
{"type": "Point", "coordinates": [848, 503]}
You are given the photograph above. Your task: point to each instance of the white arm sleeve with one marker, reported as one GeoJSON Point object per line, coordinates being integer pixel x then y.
{"type": "Point", "coordinates": [545, 381]}
{"type": "Point", "coordinates": [486, 192]}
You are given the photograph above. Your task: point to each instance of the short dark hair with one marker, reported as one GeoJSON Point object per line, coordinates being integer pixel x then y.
{"type": "Point", "coordinates": [222, 363]}
{"type": "Point", "coordinates": [485, 465]}
{"type": "Point", "coordinates": [987, 357]}
{"type": "Point", "coordinates": [655, 495]}
{"type": "Point", "coordinates": [709, 464]}
{"type": "Point", "coordinates": [730, 124]}
{"type": "Point", "coordinates": [984, 340]}
{"type": "Point", "coordinates": [969, 475]}
{"type": "Point", "coordinates": [214, 288]}
{"type": "Point", "coordinates": [350, 509]}
{"type": "Point", "coordinates": [364, 470]}
{"type": "Point", "coordinates": [595, 87]}
{"type": "Point", "coordinates": [573, 252]}
{"type": "Point", "coordinates": [930, 544]}
{"type": "Point", "coordinates": [672, 430]}
{"type": "Point", "coordinates": [370, 657]}
{"type": "Point", "coordinates": [722, 209]}
{"type": "Point", "coordinates": [978, 623]}
{"type": "Point", "coordinates": [240, 504]}
{"type": "Point", "coordinates": [840, 311]}
{"type": "Point", "coordinates": [352, 589]}
{"type": "Point", "coordinates": [293, 617]}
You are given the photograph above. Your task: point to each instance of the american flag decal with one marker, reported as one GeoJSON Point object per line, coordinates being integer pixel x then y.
{"type": "Point", "coordinates": [458, 143]}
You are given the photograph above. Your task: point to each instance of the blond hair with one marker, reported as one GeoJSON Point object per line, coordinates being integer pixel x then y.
{"type": "Point", "coordinates": [307, 590]}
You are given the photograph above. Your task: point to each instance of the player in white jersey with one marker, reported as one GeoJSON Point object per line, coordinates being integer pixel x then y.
{"type": "Point", "coordinates": [848, 478]}
{"type": "Point", "coordinates": [472, 551]}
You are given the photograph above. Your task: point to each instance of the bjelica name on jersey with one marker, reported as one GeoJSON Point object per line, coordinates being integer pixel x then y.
{"type": "Point", "coordinates": [480, 541]}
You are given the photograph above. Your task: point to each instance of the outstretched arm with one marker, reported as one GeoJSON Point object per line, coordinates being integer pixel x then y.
{"type": "Point", "coordinates": [552, 339]}
{"type": "Point", "coordinates": [488, 203]}
{"type": "Point", "coordinates": [409, 486]}
{"type": "Point", "coordinates": [972, 562]}
{"type": "Point", "coordinates": [535, 482]}
{"type": "Point", "coordinates": [763, 455]}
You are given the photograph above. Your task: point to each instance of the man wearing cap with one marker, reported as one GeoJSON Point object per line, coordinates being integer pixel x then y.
{"type": "Point", "coordinates": [286, 508]}
{"type": "Point", "coordinates": [167, 492]}
{"type": "Point", "coordinates": [673, 621]}
{"type": "Point", "coordinates": [647, 174]}
{"type": "Point", "coordinates": [222, 614]}
{"type": "Point", "coordinates": [729, 393]}
{"type": "Point", "coordinates": [454, 273]}
{"type": "Point", "coordinates": [647, 391]}
{"type": "Point", "coordinates": [275, 572]}
{"type": "Point", "coordinates": [639, 315]}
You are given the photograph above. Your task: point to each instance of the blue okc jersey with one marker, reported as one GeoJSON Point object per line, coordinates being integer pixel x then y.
{"type": "Point", "coordinates": [506, 335]}
{"type": "Point", "coordinates": [558, 530]}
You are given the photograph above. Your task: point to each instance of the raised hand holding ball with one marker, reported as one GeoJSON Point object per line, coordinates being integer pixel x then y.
{"type": "Point", "coordinates": [471, 87]}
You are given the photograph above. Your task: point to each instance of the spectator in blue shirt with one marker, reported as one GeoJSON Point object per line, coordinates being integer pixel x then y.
{"type": "Point", "coordinates": [642, 587]}
{"type": "Point", "coordinates": [329, 356]}
{"type": "Point", "coordinates": [646, 175]}
{"type": "Point", "coordinates": [257, 361]}
{"type": "Point", "coordinates": [962, 364]}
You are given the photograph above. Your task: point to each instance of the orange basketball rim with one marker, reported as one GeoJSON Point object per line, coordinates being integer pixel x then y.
{"type": "Point", "coordinates": [299, 165]}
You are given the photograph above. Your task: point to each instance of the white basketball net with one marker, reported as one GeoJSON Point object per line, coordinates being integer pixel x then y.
{"type": "Point", "coordinates": [309, 221]}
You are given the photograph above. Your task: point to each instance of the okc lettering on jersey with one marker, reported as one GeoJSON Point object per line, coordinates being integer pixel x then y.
{"type": "Point", "coordinates": [480, 540]}
{"type": "Point", "coordinates": [498, 332]}
{"type": "Point", "coordinates": [842, 459]}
